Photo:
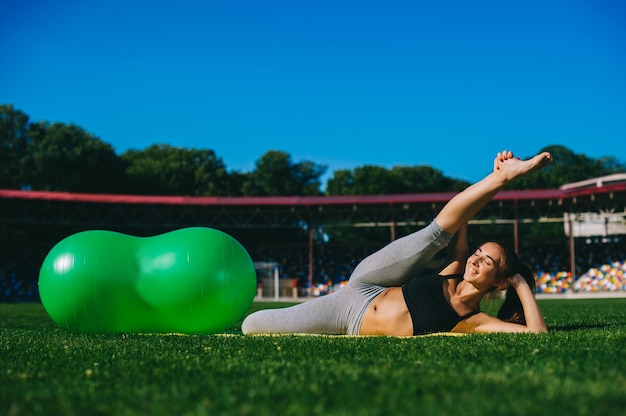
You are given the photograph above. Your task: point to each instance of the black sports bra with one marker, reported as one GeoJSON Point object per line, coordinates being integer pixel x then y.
{"type": "Point", "coordinates": [429, 309]}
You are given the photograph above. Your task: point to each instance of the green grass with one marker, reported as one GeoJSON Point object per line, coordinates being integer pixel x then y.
{"type": "Point", "coordinates": [579, 368]}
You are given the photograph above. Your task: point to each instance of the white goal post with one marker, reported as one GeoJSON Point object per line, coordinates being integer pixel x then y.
{"type": "Point", "coordinates": [268, 270]}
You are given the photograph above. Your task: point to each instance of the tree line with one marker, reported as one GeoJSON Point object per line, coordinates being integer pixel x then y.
{"type": "Point", "coordinates": [65, 157]}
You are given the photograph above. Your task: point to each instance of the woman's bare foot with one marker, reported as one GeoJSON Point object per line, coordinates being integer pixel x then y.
{"type": "Point", "coordinates": [512, 167]}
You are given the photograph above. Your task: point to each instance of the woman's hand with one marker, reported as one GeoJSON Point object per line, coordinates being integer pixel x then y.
{"type": "Point", "coordinates": [516, 280]}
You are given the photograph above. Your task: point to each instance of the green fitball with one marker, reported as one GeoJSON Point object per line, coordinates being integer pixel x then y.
{"type": "Point", "coordinates": [192, 280]}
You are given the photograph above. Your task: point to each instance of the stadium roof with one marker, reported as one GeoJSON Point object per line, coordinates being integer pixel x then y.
{"type": "Point", "coordinates": [269, 200]}
{"type": "Point", "coordinates": [100, 210]}
{"type": "Point", "coordinates": [605, 184]}
{"type": "Point", "coordinates": [615, 179]}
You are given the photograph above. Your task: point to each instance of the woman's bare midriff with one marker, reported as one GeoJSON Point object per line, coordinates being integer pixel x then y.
{"type": "Point", "coordinates": [387, 315]}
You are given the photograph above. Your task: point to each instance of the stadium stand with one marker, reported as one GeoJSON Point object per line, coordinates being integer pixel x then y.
{"type": "Point", "coordinates": [600, 267]}
{"type": "Point", "coordinates": [19, 273]}
{"type": "Point", "coordinates": [42, 218]}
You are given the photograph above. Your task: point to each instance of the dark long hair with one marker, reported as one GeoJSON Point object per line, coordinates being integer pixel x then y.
{"type": "Point", "coordinates": [511, 309]}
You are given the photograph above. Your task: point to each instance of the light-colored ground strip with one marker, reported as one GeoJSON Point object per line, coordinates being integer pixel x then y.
{"type": "Point", "coordinates": [435, 334]}
{"type": "Point", "coordinates": [582, 295]}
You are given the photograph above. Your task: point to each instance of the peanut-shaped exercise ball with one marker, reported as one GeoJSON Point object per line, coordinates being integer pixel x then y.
{"type": "Point", "coordinates": [192, 280]}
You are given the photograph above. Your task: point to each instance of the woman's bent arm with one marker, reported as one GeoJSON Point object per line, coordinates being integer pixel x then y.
{"type": "Point", "coordinates": [534, 319]}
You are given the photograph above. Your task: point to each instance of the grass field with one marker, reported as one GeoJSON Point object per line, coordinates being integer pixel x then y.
{"type": "Point", "coordinates": [578, 368]}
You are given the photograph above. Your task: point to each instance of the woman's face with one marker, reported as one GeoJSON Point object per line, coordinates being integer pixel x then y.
{"type": "Point", "coordinates": [481, 269]}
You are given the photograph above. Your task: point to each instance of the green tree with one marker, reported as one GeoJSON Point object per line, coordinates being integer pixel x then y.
{"type": "Point", "coordinates": [64, 157]}
{"type": "Point", "coordinates": [275, 174]}
{"type": "Point", "coordinates": [420, 179]}
{"type": "Point", "coordinates": [363, 180]}
{"type": "Point", "coordinates": [373, 180]}
{"type": "Point", "coordinates": [167, 170]}
{"type": "Point", "coordinates": [342, 183]}
{"type": "Point", "coordinates": [612, 164]}
{"type": "Point", "coordinates": [237, 180]}
{"type": "Point", "coordinates": [14, 140]}
{"type": "Point", "coordinates": [376, 180]}
{"type": "Point", "coordinates": [211, 177]}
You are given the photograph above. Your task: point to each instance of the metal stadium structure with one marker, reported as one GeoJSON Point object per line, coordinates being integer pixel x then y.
{"type": "Point", "coordinates": [143, 215]}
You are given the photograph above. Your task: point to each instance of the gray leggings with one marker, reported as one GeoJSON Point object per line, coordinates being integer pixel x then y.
{"type": "Point", "coordinates": [342, 312]}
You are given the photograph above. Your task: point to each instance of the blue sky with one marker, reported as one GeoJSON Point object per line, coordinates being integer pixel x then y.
{"type": "Point", "coordinates": [341, 83]}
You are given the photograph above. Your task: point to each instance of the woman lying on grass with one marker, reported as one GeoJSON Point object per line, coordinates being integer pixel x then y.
{"type": "Point", "coordinates": [382, 298]}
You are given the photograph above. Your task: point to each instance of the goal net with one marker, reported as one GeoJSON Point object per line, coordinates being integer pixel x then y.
{"type": "Point", "coordinates": [268, 277]}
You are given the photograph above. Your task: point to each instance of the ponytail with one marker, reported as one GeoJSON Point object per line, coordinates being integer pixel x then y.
{"type": "Point", "coordinates": [511, 309]}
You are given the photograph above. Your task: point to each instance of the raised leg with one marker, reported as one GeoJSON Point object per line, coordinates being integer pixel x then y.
{"type": "Point", "coordinates": [465, 205]}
